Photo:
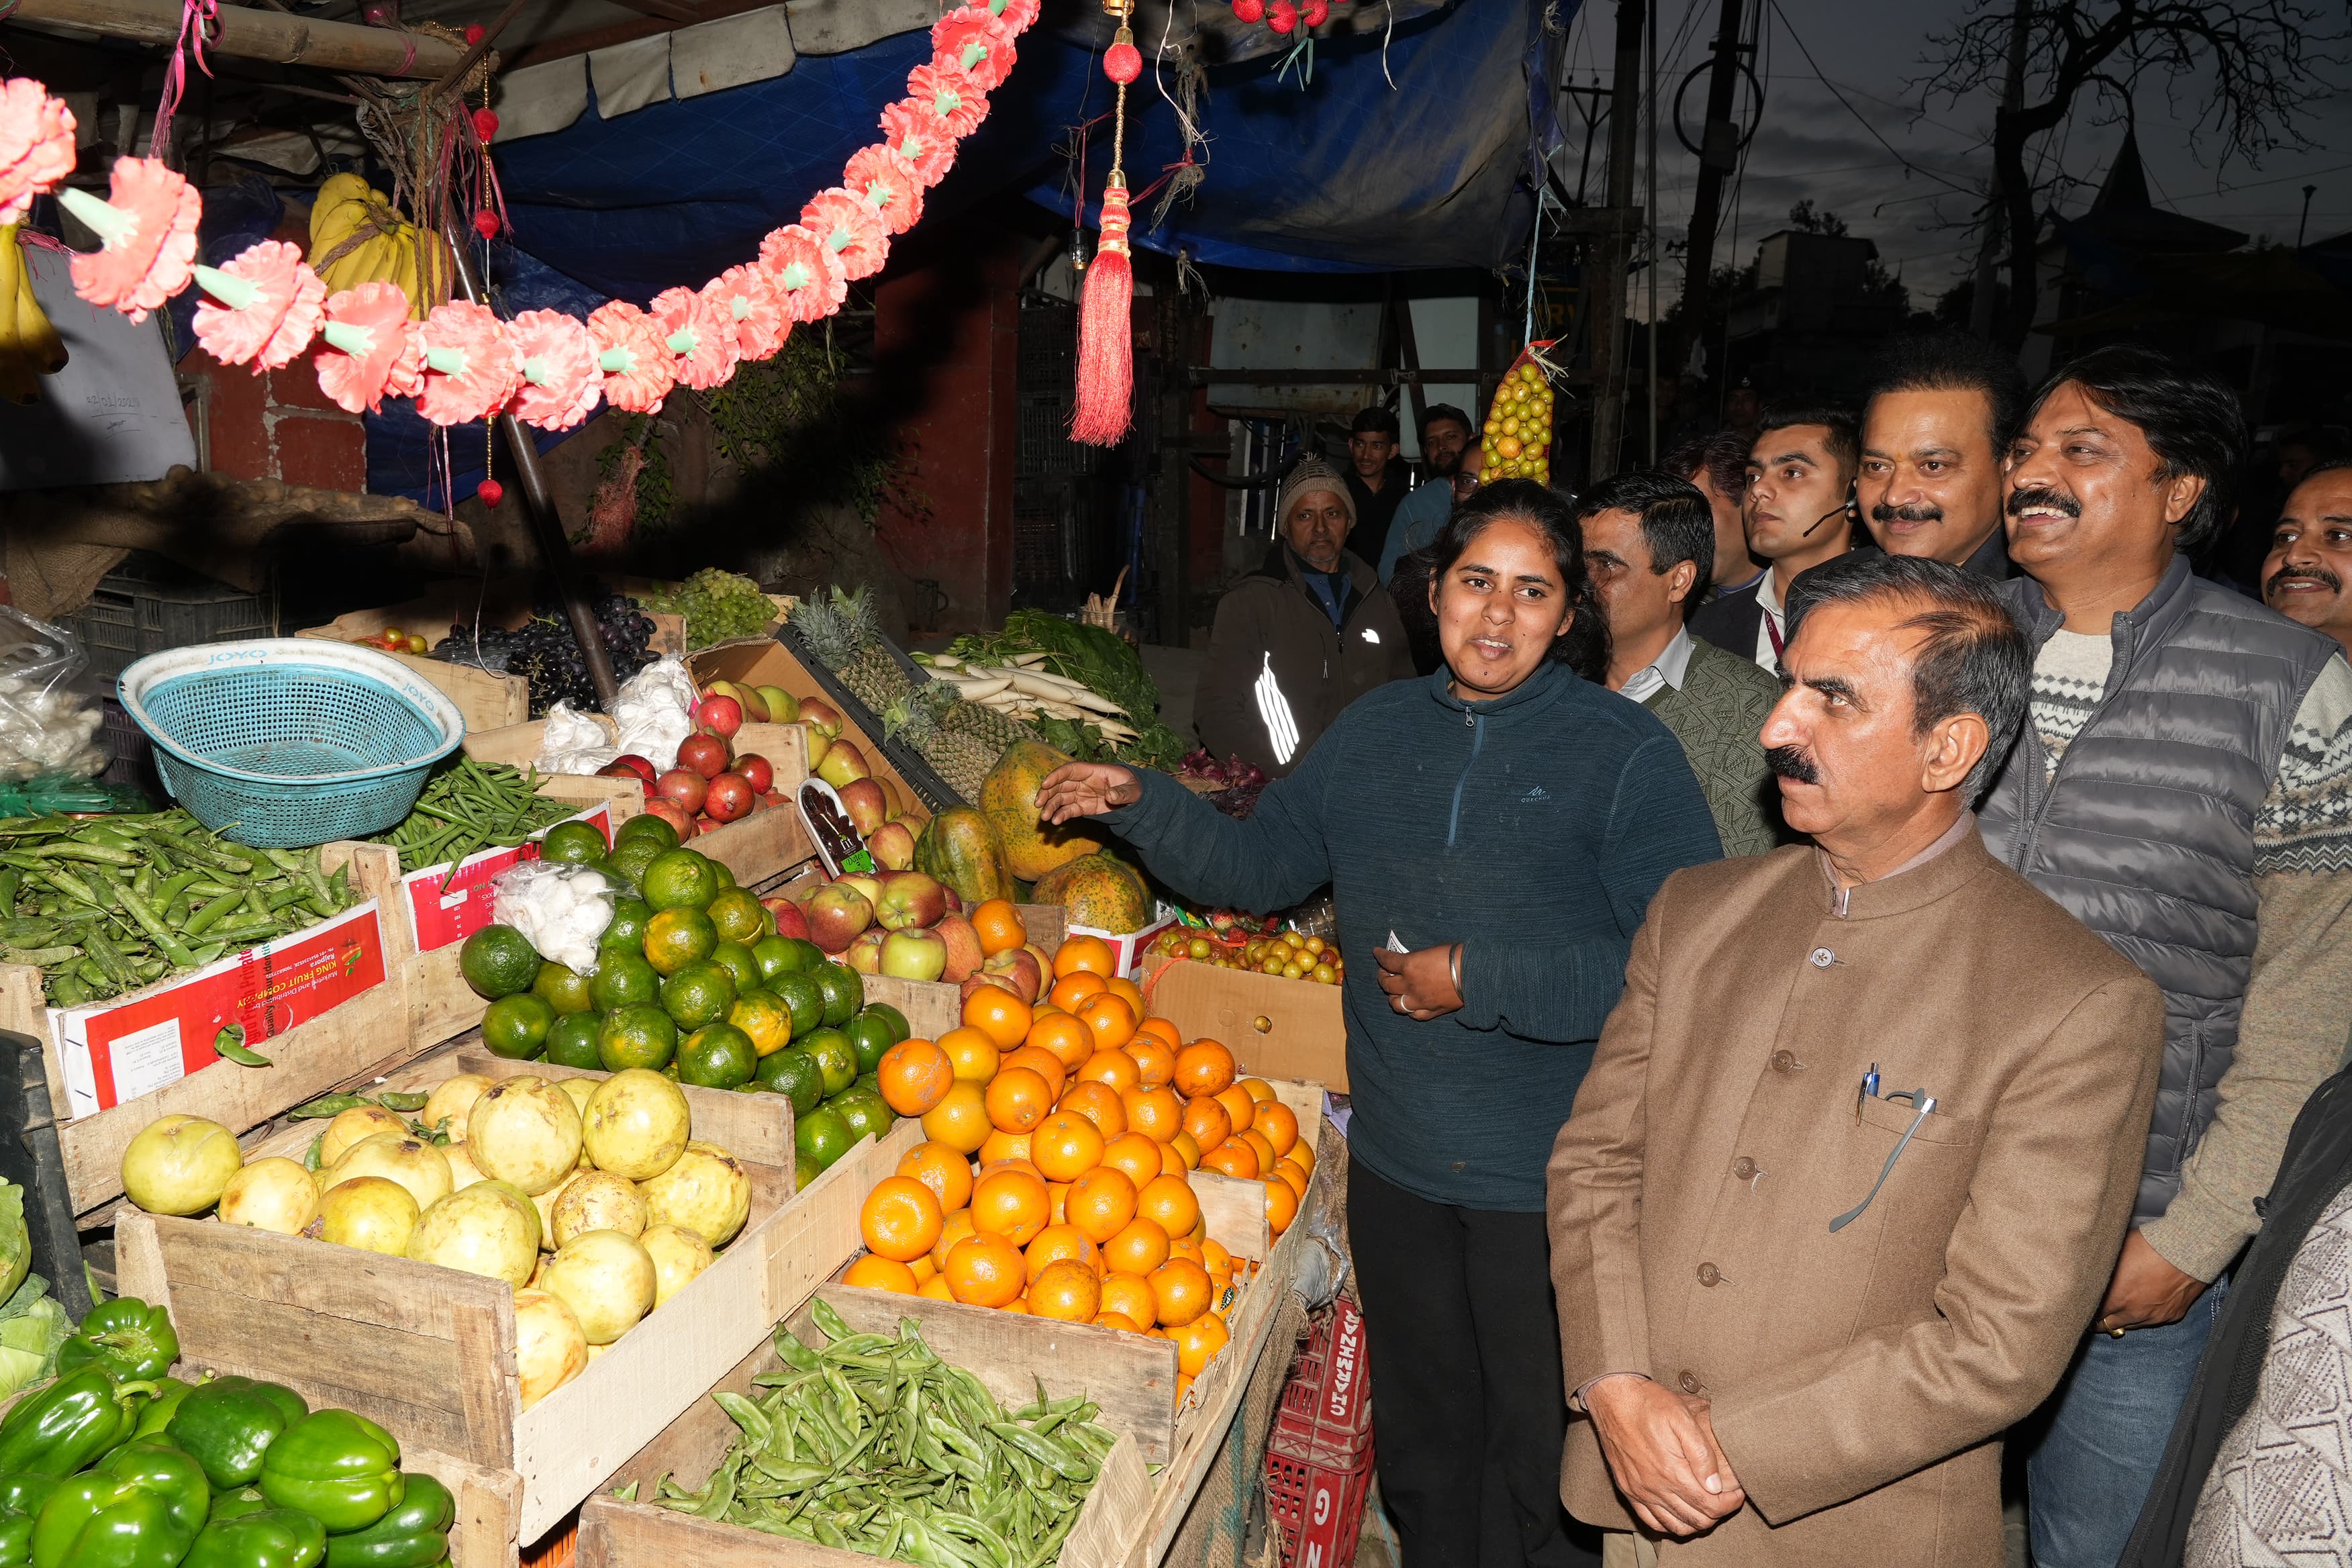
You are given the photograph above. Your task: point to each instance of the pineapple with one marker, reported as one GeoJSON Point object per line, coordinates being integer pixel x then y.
{"type": "Point", "coordinates": [837, 629]}
{"type": "Point", "coordinates": [927, 719]}
{"type": "Point", "coordinates": [874, 677]}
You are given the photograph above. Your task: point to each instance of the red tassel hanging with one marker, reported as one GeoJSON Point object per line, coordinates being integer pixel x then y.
{"type": "Point", "coordinates": [1105, 394]}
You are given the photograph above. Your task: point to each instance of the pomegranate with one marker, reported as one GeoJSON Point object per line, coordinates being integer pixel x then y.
{"type": "Point", "coordinates": [669, 811]}
{"type": "Point", "coordinates": [731, 797]}
{"type": "Point", "coordinates": [822, 717]}
{"type": "Point", "coordinates": [721, 716]}
{"type": "Point", "coordinates": [629, 761]}
{"type": "Point", "coordinates": [705, 754]}
{"type": "Point", "coordinates": [756, 772]}
{"type": "Point", "coordinates": [685, 786]}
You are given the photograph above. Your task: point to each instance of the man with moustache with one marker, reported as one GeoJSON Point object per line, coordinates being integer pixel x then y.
{"type": "Point", "coordinates": [2311, 551]}
{"type": "Point", "coordinates": [1796, 508]}
{"type": "Point", "coordinates": [1933, 434]}
{"type": "Point", "coordinates": [1848, 1171]}
{"type": "Point", "coordinates": [2185, 789]}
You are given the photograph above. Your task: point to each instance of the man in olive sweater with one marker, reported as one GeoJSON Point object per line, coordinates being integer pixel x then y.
{"type": "Point", "coordinates": [1649, 541]}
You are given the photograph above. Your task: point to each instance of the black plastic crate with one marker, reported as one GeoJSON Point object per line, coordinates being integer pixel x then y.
{"type": "Point", "coordinates": [148, 604]}
{"type": "Point", "coordinates": [920, 775]}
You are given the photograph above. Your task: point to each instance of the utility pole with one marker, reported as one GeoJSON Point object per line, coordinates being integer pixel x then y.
{"type": "Point", "coordinates": [1718, 156]}
{"type": "Point", "coordinates": [1650, 382]}
{"type": "Point", "coordinates": [1611, 251]}
{"type": "Point", "coordinates": [2305, 221]}
{"type": "Point", "coordinates": [2012, 98]}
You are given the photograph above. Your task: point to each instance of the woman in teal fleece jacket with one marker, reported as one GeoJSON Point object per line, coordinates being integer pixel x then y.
{"type": "Point", "coordinates": [1506, 821]}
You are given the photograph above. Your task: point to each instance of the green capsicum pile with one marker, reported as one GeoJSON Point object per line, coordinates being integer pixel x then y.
{"type": "Point", "coordinates": [116, 1464]}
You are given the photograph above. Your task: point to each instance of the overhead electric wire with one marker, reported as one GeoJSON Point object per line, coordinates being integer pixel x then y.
{"type": "Point", "coordinates": [1860, 118]}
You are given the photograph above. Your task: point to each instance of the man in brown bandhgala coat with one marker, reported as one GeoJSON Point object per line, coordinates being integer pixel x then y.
{"type": "Point", "coordinates": [1798, 1302]}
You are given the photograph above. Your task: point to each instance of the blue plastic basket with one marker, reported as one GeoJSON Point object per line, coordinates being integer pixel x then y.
{"type": "Point", "coordinates": [286, 743]}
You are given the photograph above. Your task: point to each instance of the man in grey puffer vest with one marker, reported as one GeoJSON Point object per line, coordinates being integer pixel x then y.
{"type": "Point", "coordinates": [2185, 789]}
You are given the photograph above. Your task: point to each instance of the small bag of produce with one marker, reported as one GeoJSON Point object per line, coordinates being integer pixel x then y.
{"type": "Point", "coordinates": [574, 742]}
{"type": "Point", "coordinates": [656, 712]}
{"type": "Point", "coordinates": [561, 910]}
{"type": "Point", "coordinates": [45, 728]}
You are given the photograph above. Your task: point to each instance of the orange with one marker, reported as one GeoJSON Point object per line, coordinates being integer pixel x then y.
{"type": "Point", "coordinates": [1204, 1066]}
{"type": "Point", "coordinates": [1197, 1341]}
{"type": "Point", "coordinates": [1061, 1035]}
{"type": "Point", "coordinates": [1171, 1161]}
{"type": "Point", "coordinates": [1260, 1147]}
{"type": "Point", "coordinates": [1281, 1204]}
{"type": "Point", "coordinates": [1180, 1286]}
{"type": "Point", "coordinates": [1042, 1062]}
{"type": "Point", "coordinates": [1231, 1158]}
{"type": "Point", "coordinates": [1126, 991]}
{"type": "Point", "coordinates": [1018, 1304]}
{"type": "Point", "coordinates": [1189, 1247]}
{"type": "Point", "coordinates": [998, 1014]}
{"type": "Point", "coordinates": [1067, 1291]}
{"type": "Point", "coordinates": [1164, 1030]}
{"type": "Point", "coordinates": [1279, 1123]}
{"type": "Point", "coordinates": [1293, 1174]}
{"type": "Point", "coordinates": [874, 1272]}
{"type": "Point", "coordinates": [1098, 1103]}
{"type": "Point", "coordinates": [1156, 1113]}
{"type": "Point", "coordinates": [1304, 1153]}
{"type": "Point", "coordinates": [1114, 1070]}
{"type": "Point", "coordinates": [1155, 1060]}
{"type": "Point", "coordinates": [1060, 1243]}
{"type": "Point", "coordinates": [1206, 1120]}
{"type": "Point", "coordinates": [1012, 1203]}
{"type": "Point", "coordinates": [1119, 1321]}
{"type": "Point", "coordinates": [1129, 1295]}
{"type": "Point", "coordinates": [1057, 1200]}
{"type": "Point", "coordinates": [901, 1218]}
{"type": "Point", "coordinates": [915, 1074]}
{"type": "Point", "coordinates": [1111, 1021]}
{"type": "Point", "coordinates": [984, 1270]}
{"type": "Point", "coordinates": [1101, 1204]}
{"type": "Point", "coordinates": [1073, 991]}
{"type": "Point", "coordinates": [971, 1052]}
{"type": "Point", "coordinates": [1238, 1105]}
{"type": "Point", "coordinates": [1259, 1090]}
{"type": "Point", "coordinates": [1166, 1201]}
{"type": "Point", "coordinates": [1017, 1099]}
{"type": "Point", "coordinates": [925, 1270]}
{"type": "Point", "coordinates": [1088, 954]}
{"type": "Point", "coordinates": [1003, 1148]}
{"type": "Point", "coordinates": [952, 1229]}
{"type": "Point", "coordinates": [1188, 1148]}
{"type": "Point", "coordinates": [1183, 1385]}
{"type": "Point", "coordinates": [959, 1120]}
{"type": "Point", "coordinates": [943, 1169]}
{"type": "Point", "coordinates": [1135, 1154]}
{"type": "Point", "coordinates": [1021, 1163]}
{"type": "Point", "coordinates": [999, 926]}
{"type": "Point", "coordinates": [1065, 1146]}
{"type": "Point", "coordinates": [1140, 1248]}
{"type": "Point", "coordinates": [937, 1288]}
{"type": "Point", "coordinates": [1215, 1258]}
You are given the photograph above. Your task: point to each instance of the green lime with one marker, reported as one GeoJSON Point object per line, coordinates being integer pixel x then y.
{"type": "Point", "coordinates": [717, 1055]}
{"type": "Point", "coordinates": [786, 956]}
{"type": "Point", "coordinates": [897, 1020]}
{"type": "Point", "coordinates": [679, 880]}
{"type": "Point", "coordinates": [564, 989]}
{"type": "Point", "coordinates": [844, 992]}
{"type": "Point", "coordinates": [795, 1075]}
{"type": "Point", "coordinates": [676, 938]}
{"type": "Point", "coordinates": [725, 874]}
{"type": "Point", "coordinates": [573, 1042]}
{"type": "Point", "coordinates": [836, 1056]}
{"type": "Point", "coordinates": [869, 1079]}
{"type": "Point", "coordinates": [871, 1036]}
{"type": "Point", "coordinates": [762, 1016]}
{"type": "Point", "coordinates": [627, 930]}
{"type": "Point", "coordinates": [864, 1110]}
{"type": "Point", "coordinates": [696, 995]}
{"type": "Point", "coordinates": [572, 844]}
{"type": "Point", "coordinates": [622, 979]}
{"type": "Point", "coordinates": [736, 960]}
{"type": "Point", "coordinates": [498, 961]}
{"type": "Point", "coordinates": [822, 1136]}
{"type": "Point", "coordinates": [636, 1035]}
{"type": "Point", "coordinates": [664, 835]}
{"type": "Point", "coordinates": [516, 1026]}
{"type": "Point", "coordinates": [626, 865]}
{"type": "Point", "coordinates": [738, 916]}
{"type": "Point", "coordinates": [804, 1170]}
{"type": "Point", "coordinates": [799, 995]}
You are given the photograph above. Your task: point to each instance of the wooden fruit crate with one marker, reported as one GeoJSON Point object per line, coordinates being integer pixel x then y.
{"type": "Point", "coordinates": [429, 1352]}
{"type": "Point", "coordinates": [487, 698]}
{"type": "Point", "coordinates": [933, 1006]}
{"type": "Point", "coordinates": [367, 1031]}
{"type": "Point", "coordinates": [1275, 1027]}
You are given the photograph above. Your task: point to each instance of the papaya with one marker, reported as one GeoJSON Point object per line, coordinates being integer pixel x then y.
{"type": "Point", "coordinates": [1009, 800]}
{"type": "Point", "coordinates": [959, 847]}
{"type": "Point", "coordinates": [1098, 892]}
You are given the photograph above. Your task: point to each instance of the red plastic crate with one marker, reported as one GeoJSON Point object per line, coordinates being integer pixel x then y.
{"type": "Point", "coordinates": [1325, 1414]}
{"type": "Point", "coordinates": [1320, 1510]}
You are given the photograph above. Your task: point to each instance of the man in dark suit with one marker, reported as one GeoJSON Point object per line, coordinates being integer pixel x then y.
{"type": "Point", "coordinates": [1934, 432]}
{"type": "Point", "coordinates": [1798, 509]}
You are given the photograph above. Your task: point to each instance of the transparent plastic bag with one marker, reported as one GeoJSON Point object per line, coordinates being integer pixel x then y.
{"type": "Point", "coordinates": [47, 729]}
{"type": "Point", "coordinates": [561, 910]}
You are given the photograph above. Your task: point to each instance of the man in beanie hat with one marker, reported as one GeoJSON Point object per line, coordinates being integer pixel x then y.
{"type": "Point", "coordinates": [1302, 637]}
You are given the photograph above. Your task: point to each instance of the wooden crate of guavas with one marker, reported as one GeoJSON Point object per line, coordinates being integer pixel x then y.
{"type": "Point", "coordinates": [438, 1354]}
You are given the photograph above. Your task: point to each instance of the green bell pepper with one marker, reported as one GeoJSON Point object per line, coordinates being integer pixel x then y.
{"type": "Point", "coordinates": [229, 1424]}
{"type": "Point", "coordinates": [280, 1538]}
{"type": "Point", "coordinates": [414, 1534]}
{"type": "Point", "coordinates": [74, 1422]}
{"type": "Point", "coordinates": [127, 1336]}
{"type": "Point", "coordinates": [236, 1504]}
{"type": "Point", "coordinates": [170, 1392]}
{"type": "Point", "coordinates": [142, 1508]}
{"type": "Point", "coordinates": [21, 1497]}
{"type": "Point", "coordinates": [341, 1469]}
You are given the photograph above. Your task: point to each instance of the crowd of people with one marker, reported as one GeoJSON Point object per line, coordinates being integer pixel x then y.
{"type": "Point", "coordinates": [1862, 973]}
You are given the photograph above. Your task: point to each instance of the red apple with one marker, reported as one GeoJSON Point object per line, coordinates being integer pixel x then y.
{"type": "Point", "coordinates": [822, 717]}
{"type": "Point", "coordinates": [757, 771]}
{"type": "Point", "coordinates": [817, 747]}
{"type": "Point", "coordinates": [964, 956]}
{"type": "Point", "coordinates": [843, 765]}
{"type": "Point", "coordinates": [862, 798]}
{"type": "Point", "coordinates": [891, 804]}
{"type": "Point", "coordinates": [730, 798]}
{"type": "Point", "coordinates": [681, 819]}
{"type": "Point", "coordinates": [914, 955]}
{"type": "Point", "coordinates": [684, 786]}
{"type": "Point", "coordinates": [868, 888]}
{"type": "Point", "coordinates": [790, 920]}
{"type": "Point", "coordinates": [836, 913]}
{"type": "Point", "coordinates": [1018, 967]}
{"type": "Point", "coordinates": [894, 846]}
{"type": "Point", "coordinates": [982, 981]}
{"type": "Point", "coordinates": [955, 904]}
{"type": "Point", "coordinates": [910, 901]}
{"type": "Point", "coordinates": [865, 954]}
{"type": "Point", "coordinates": [705, 754]}
{"type": "Point", "coordinates": [721, 716]}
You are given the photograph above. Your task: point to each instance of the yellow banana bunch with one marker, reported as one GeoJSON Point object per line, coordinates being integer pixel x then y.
{"type": "Point", "coordinates": [29, 345]}
{"type": "Point", "coordinates": [345, 204]}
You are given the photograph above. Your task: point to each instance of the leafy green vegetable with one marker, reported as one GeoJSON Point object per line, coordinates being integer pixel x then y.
{"type": "Point", "coordinates": [1097, 659]}
{"type": "Point", "coordinates": [33, 1325]}
{"type": "Point", "coordinates": [16, 1239]}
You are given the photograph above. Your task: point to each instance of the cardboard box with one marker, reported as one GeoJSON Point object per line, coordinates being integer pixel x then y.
{"type": "Point", "coordinates": [1276, 1029]}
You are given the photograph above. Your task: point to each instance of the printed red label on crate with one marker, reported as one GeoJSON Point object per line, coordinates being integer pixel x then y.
{"type": "Point", "coordinates": [1343, 1373]}
{"type": "Point", "coordinates": [444, 909]}
{"type": "Point", "coordinates": [114, 1054]}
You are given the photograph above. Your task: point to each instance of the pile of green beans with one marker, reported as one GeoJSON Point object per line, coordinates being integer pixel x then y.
{"type": "Point", "coordinates": [470, 806]}
{"type": "Point", "coordinates": [114, 903]}
{"type": "Point", "coordinates": [874, 1445]}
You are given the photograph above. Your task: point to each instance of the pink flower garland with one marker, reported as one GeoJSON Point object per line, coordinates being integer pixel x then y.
{"type": "Point", "coordinates": [370, 353]}
{"type": "Point", "coordinates": [37, 145]}
{"type": "Point", "coordinates": [809, 281]}
{"type": "Point", "coordinates": [265, 306]}
{"type": "Point", "coordinates": [639, 369]}
{"type": "Point", "coordinates": [702, 338]}
{"type": "Point", "coordinates": [472, 366]}
{"type": "Point", "coordinates": [883, 177]}
{"type": "Point", "coordinates": [562, 384]}
{"type": "Point", "coordinates": [850, 227]}
{"type": "Point", "coordinates": [748, 299]}
{"type": "Point", "coordinates": [147, 238]}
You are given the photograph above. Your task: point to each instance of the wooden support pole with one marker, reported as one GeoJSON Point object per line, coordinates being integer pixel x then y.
{"type": "Point", "coordinates": [247, 34]}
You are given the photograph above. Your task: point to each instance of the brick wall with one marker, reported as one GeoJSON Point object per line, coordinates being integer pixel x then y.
{"type": "Point", "coordinates": [278, 425]}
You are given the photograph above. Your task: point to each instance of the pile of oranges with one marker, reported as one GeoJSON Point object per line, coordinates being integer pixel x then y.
{"type": "Point", "coordinates": [1060, 1140]}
